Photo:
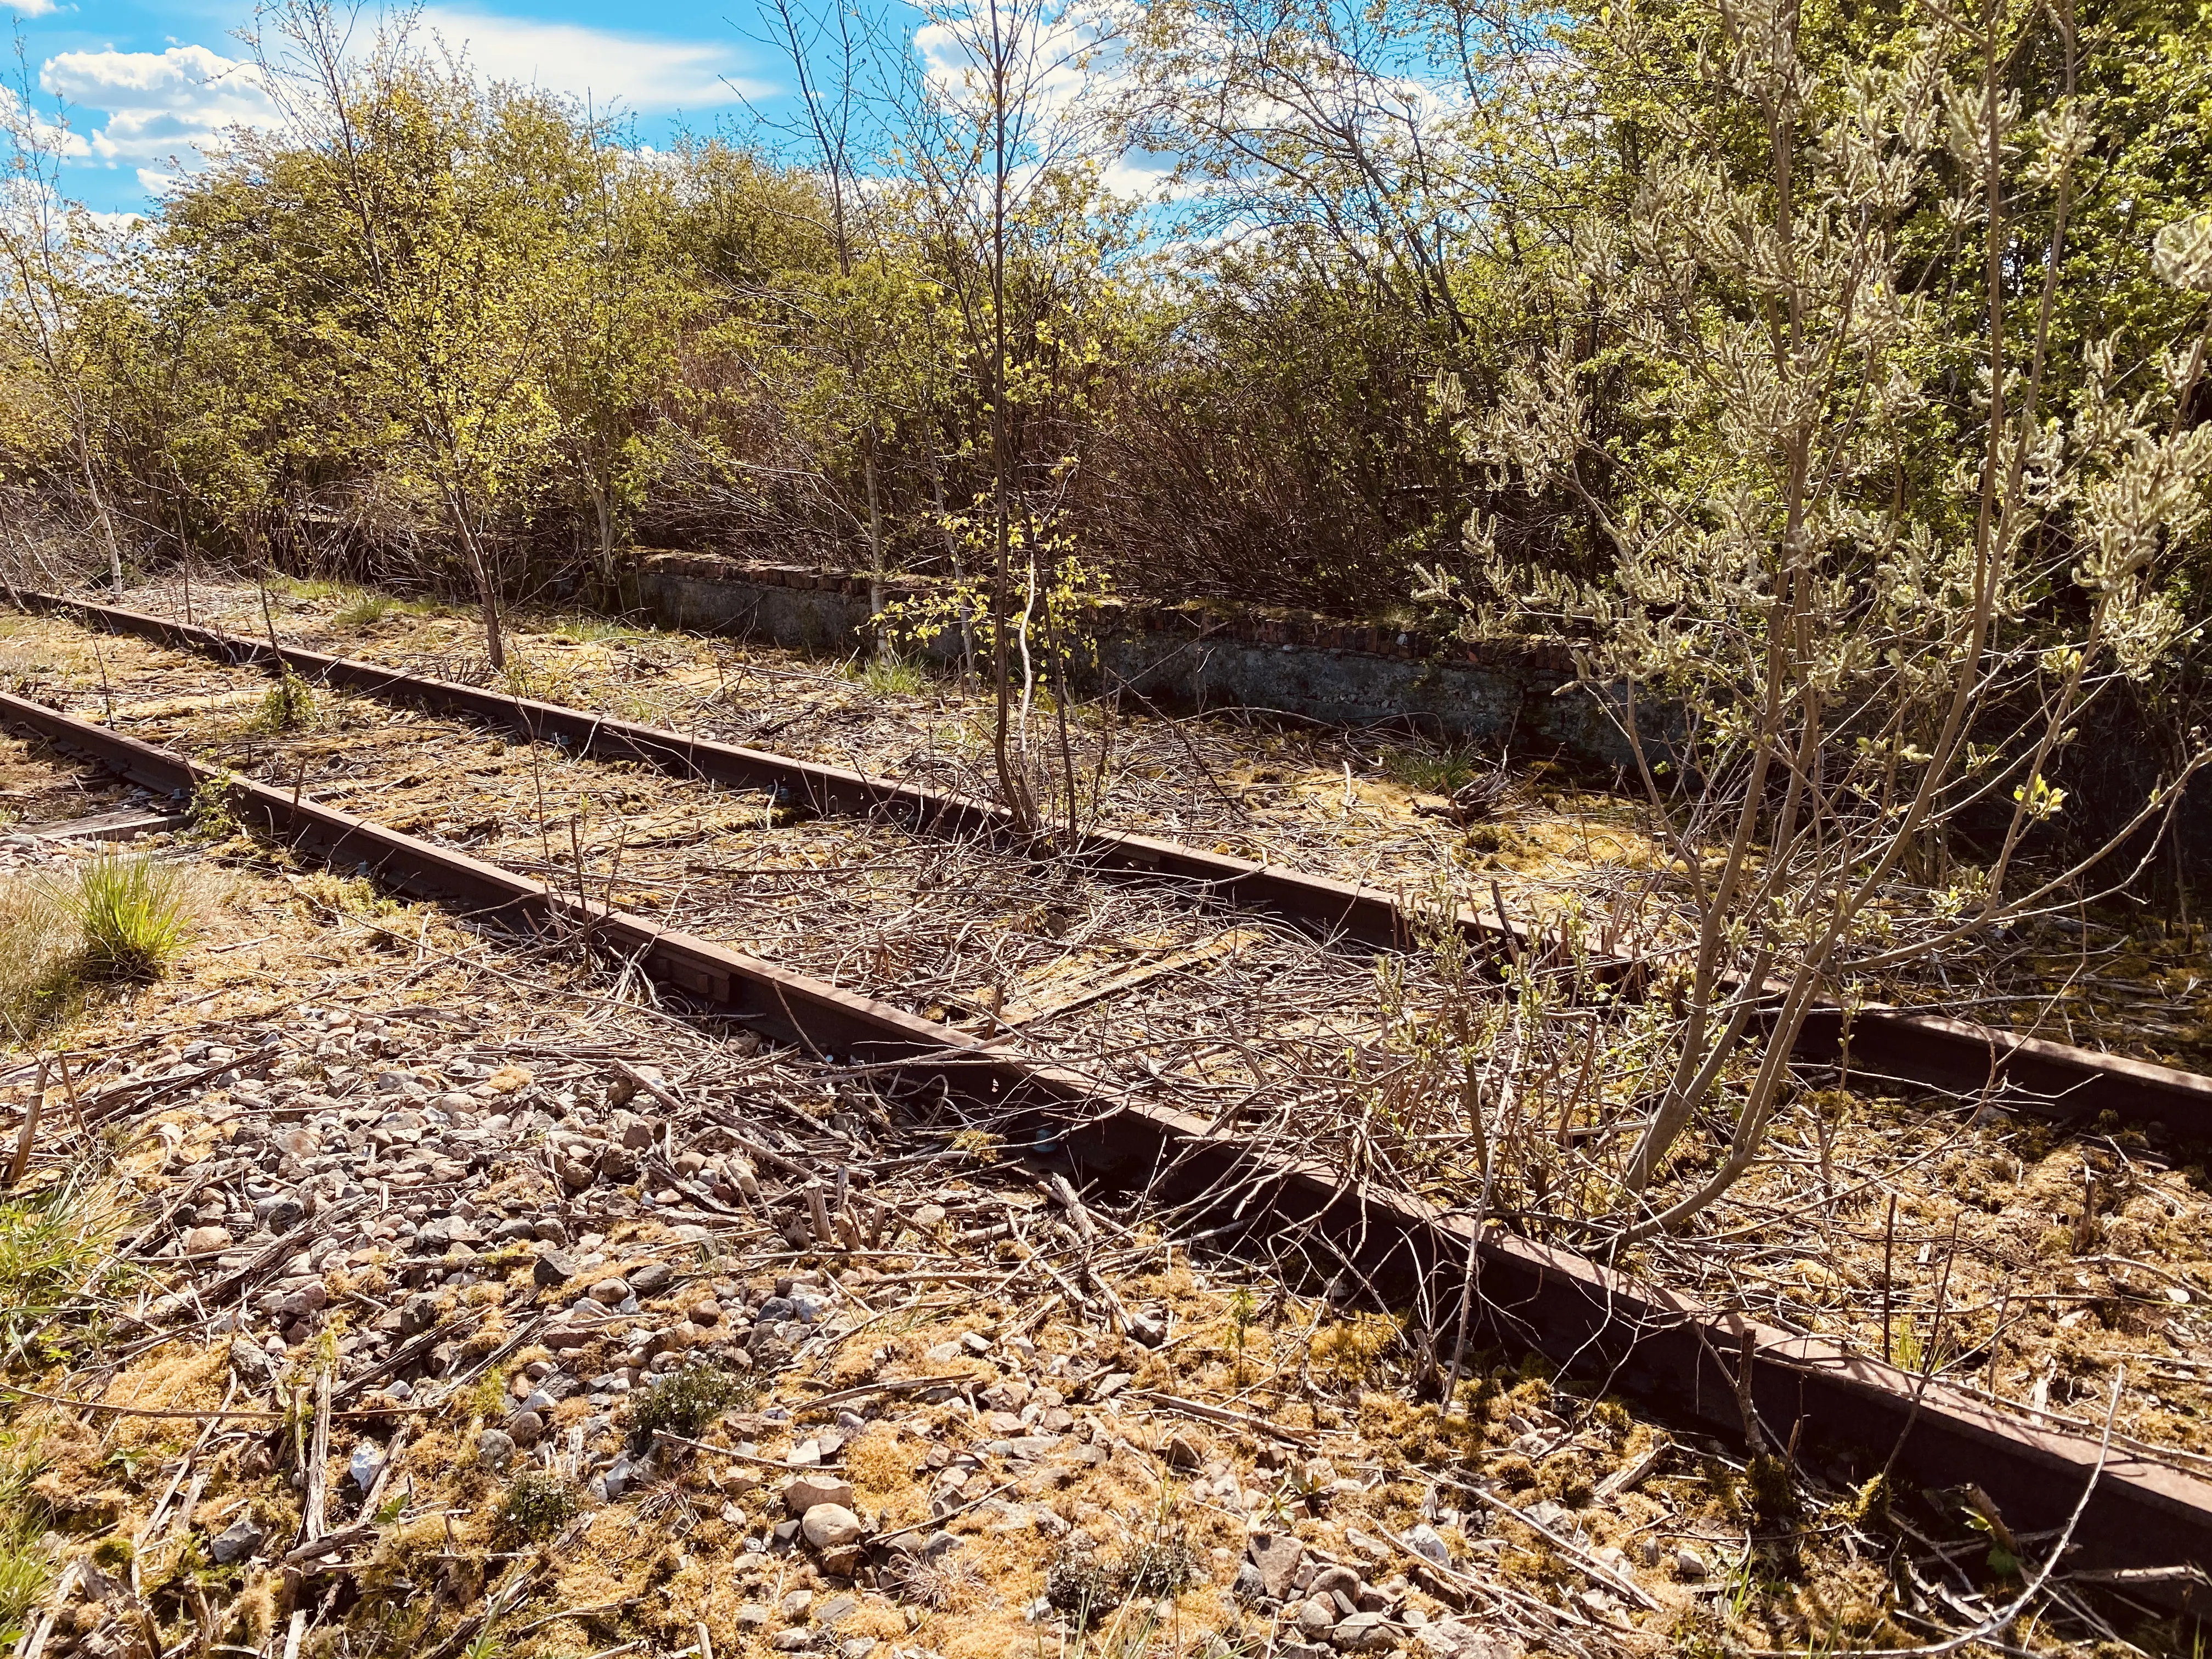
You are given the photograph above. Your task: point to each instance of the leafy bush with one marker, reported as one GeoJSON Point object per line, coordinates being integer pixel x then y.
{"type": "Point", "coordinates": [290, 705]}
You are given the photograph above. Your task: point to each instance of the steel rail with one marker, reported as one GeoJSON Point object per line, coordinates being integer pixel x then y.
{"type": "Point", "coordinates": [2068, 1085]}
{"type": "Point", "coordinates": [1679, 1358]}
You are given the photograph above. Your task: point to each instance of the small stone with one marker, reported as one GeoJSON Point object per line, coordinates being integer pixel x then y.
{"type": "Point", "coordinates": [1276, 1555]}
{"type": "Point", "coordinates": [202, 1241]}
{"type": "Point", "coordinates": [366, 1464]}
{"type": "Point", "coordinates": [527, 1428]}
{"type": "Point", "coordinates": [238, 1543]}
{"type": "Point", "coordinates": [552, 1269]}
{"type": "Point", "coordinates": [1331, 1580]}
{"type": "Point", "coordinates": [651, 1278]}
{"type": "Point", "coordinates": [1365, 1632]}
{"type": "Point", "coordinates": [751, 1619]}
{"type": "Point", "coordinates": [1448, 1638]}
{"type": "Point", "coordinates": [495, 1447]}
{"type": "Point", "coordinates": [279, 1215]}
{"type": "Point", "coordinates": [809, 1492]}
{"type": "Point", "coordinates": [1316, 1617]}
{"type": "Point", "coordinates": [929, 1217]}
{"type": "Point", "coordinates": [1690, 1566]}
{"type": "Point", "coordinates": [709, 1312]}
{"type": "Point", "coordinates": [976, 1343]}
{"type": "Point", "coordinates": [856, 1647]}
{"type": "Point", "coordinates": [1249, 1587]}
{"type": "Point", "coordinates": [795, 1605]}
{"type": "Point", "coordinates": [612, 1292]}
{"type": "Point", "coordinates": [835, 1610]}
{"type": "Point", "coordinates": [1149, 1328]}
{"type": "Point", "coordinates": [794, 1640]}
{"type": "Point", "coordinates": [829, 1526]}
{"type": "Point", "coordinates": [1429, 1545]}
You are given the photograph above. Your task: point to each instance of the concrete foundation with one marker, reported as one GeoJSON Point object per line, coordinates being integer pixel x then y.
{"type": "Point", "coordinates": [1310, 668]}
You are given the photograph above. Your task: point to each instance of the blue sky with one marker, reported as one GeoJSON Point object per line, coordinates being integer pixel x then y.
{"type": "Point", "coordinates": [143, 80]}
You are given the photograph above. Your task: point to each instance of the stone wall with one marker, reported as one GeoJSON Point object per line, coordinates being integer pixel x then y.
{"type": "Point", "coordinates": [1196, 655]}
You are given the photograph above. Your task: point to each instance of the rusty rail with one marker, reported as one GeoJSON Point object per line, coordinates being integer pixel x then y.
{"type": "Point", "coordinates": [1677, 1356]}
{"type": "Point", "coordinates": [2067, 1085]}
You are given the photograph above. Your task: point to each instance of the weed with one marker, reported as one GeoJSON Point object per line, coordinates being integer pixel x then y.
{"type": "Point", "coordinates": [538, 1505]}
{"type": "Point", "coordinates": [1077, 1582]}
{"type": "Point", "coordinates": [214, 810]}
{"type": "Point", "coordinates": [686, 1402]}
{"type": "Point", "coordinates": [304, 587]}
{"type": "Point", "coordinates": [290, 705]}
{"type": "Point", "coordinates": [132, 916]}
{"type": "Point", "coordinates": [54, 1245]}
{"type": "Point", "coordinates": [364, 609]}
{"type": "Point", "coordinates": [25, 1565]}
{"type": "Point", "coordinates": [37, 951]}
{"type": "Point", "coordinates": [524, 677]}
{"type": "Point", "coordinates": [1159, 1565]}
{"type": "Point", "coordinates": [1432, 771]}
{"type": "Point", "coordinates": [887, 677]}
{"type": "Point", "coordinates": [586, 630]}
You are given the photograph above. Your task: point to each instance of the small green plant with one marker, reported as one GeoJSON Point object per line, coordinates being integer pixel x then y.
{"type": "Point", "coordinates": [289, 705]}
{"type": "Point", "coordinates": [1078, 1583]}
{"type": "Point", "coordinates": [364, 609]}
{"type": "Point", "coordinates": [213, 810]}
{"type": "Point", "coordinates": [132, 915]}
{"type": "Point", "coordinates": [686, 1402]}
{"type": "Point", "coordinates": [1432, 771]}
{"type": "Point", "coordinates": [584, 630]}
{"type": "Point", "coordinates": [538, 1505]}
{"type": "Point", "coordinates": [1159, 1565]}
{"type": "Point", "coordinates": [1241, 1307]}
{"type": "Point", "coordinates": [887, 677]}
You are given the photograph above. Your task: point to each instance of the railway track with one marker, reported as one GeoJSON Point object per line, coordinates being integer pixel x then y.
{"type": "Point", "coordinates": [2068, 1085]}
{"type": "Point", "coordinates": [1731, 1377]}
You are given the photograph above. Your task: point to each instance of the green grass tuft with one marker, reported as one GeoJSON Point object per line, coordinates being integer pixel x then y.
{"type": "Point", "coordinates": [538, 1505]}
{"type": "Point", "coordinates": [25, 1565]}
{"type": "Point", "coordinates": [364, 609]}
{"type": "Point", "coordinates": [887, 676]}
{"type": "Point", "coordinates": [132, 916]}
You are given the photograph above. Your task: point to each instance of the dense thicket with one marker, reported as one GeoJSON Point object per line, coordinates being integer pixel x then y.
{"type": "Point", "coordinates": [436, 327]}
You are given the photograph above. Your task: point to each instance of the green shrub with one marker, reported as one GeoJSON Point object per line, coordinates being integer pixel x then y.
{"type": "Point", "coordinates": [290, 705]}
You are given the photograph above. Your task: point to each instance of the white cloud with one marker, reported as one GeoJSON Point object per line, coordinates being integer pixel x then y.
{"type": "Point", "coordinates": [158, 104]}
{"type": "Point", "coordinates": [31, 8]}
{"type": "Point", "coordinates": [638, 72]}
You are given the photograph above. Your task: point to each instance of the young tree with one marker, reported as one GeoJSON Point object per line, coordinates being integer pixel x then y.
{"type": "Point", "coordinates": [1007, 156]}
{"type": "Point", "coordinates": [1866, 577]}
{"type": "Point", "coordinates": [53, 256]}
